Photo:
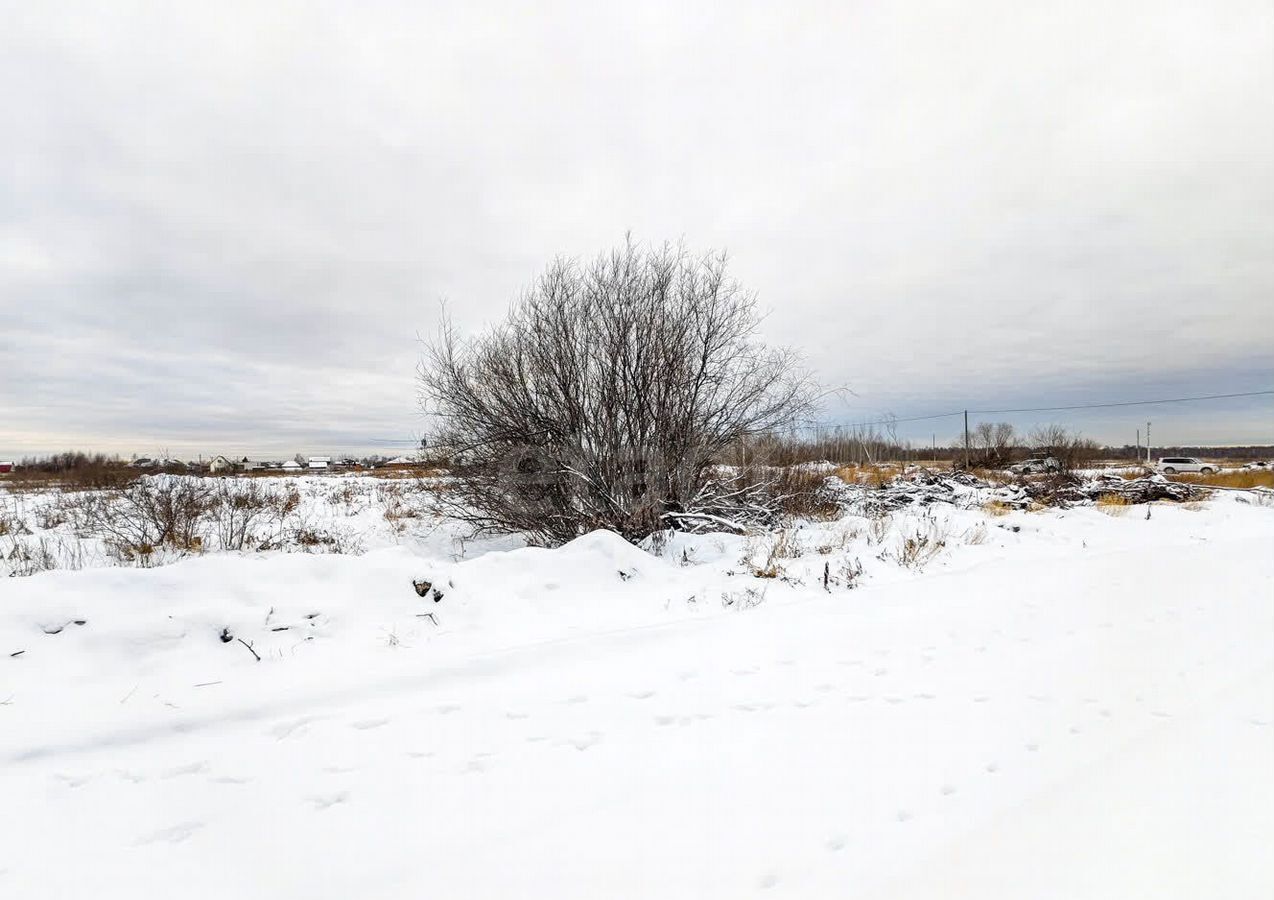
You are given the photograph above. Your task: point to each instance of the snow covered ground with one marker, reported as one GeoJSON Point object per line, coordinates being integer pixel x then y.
{"type": "Point", "coordinates": [1067, 703]}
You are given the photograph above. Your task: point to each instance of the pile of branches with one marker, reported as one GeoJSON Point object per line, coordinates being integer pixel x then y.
{"type": "Point", "coordinates": [924, 487]}
{"type": "Point", "coordinates": [1142, 490]}
{"type": "Point", "coordinates": [920, 487]}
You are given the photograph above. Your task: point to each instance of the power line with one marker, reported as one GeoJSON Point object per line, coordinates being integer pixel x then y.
{"type": "Point", "coordinates": [986, 412]}
{"type": "Point", "coordinates": [897, 420]}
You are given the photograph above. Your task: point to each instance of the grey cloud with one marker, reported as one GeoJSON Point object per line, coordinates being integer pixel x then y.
{"type": "Point", "coordinates": [226, 223]}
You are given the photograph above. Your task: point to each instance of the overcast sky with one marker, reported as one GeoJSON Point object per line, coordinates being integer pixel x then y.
{"type": "Point", "coordinates": [222, 226]}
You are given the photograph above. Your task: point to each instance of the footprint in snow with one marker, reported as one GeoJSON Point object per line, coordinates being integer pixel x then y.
{"type": "Point", "coordinates": [583, 743]}
{"type": "Point", "coordinates": [836, 843]}
{"type": "Point", "coordinates": [904, 815]}
{"type": "Point", "coordinates": [667, 720]}
{"type": "Point", "coordinates": [948, 790]}
{"type": "Point", "coordinates": [511, 714]}
{"type": "Point", "coordinates": [642, 695]}
{"type": "Point", "coordinates": [768, 881]}
{"type": "Point", "coordinates": [193, 768]}
{"type": "Point", "coordinates": [447, 708]}
{"type": "Point", "coordinates": [287, 729]}
{"type": "Point", "coordinates": [1033, 747]}
{"type": "Point", "coordinates": [327, 801]}
{"type": "Point", "coordinates": [993, 767]}
{"type": "Point", "coordinates": [368, 724]}
{"type": "Point", "coordinates": [74, 781]}
{"type": "Point", "coordinates": [174, 834]}
{"type": "Point", "coordinates": [577, 699]}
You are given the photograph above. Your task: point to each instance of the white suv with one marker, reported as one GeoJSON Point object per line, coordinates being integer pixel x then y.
{"type": "Point", "coordinates": [1171, 465]}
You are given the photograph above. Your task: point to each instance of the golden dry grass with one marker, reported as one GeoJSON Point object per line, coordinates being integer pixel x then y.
{"type": "Point", "coordinates": [1243, 478]}
{"type": "Point", "coordinates": [871, 476]}
{"type": "Point", "coordinates": [1113, 504]}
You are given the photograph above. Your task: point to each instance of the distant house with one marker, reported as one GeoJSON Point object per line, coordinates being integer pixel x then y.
{"type": "Point", "coordinates": [6, 467]}
{"type": "Point", "coordinates": [291, 466]}
{"type": "Point", "coordinates": [221, 464]}
{"type": "Point", "coordinates": [320, 462]}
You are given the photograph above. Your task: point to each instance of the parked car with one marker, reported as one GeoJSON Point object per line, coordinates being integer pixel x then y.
{"type": "Point", "coordinates": [1257, 465]}
{"type": "Point", "coordinates": [1171, 465]}
{"type": "Point", "coordinates": [1041, 465]}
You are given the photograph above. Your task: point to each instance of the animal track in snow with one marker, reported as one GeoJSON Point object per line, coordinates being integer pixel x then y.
{"type": "Point", "coordinates": [174, 834]}
{"type": "Point", "coordinates": [368, 724]}
{"type": "Point", "coordinates": [327, 801]}
{"type": "Point", "coordinates": [193, 768]}
{"type": "Point", "coordinates": [287, 729]}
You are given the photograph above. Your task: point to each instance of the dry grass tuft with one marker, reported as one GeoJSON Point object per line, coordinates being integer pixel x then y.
{"type": "Point", "coordinates": [867, 476]}
{"type": "Point", "coordinates": [1113, 504]}
{"type": "Point", "coordinates": [996, 508]}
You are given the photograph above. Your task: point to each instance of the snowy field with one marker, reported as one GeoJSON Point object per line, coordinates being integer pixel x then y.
{"type": "Point", "coordinates": [1069, 703]}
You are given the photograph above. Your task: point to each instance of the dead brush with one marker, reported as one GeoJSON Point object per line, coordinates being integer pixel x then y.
{"type": "Point", "coordinates": [997, 508]}
{"type": "Point", "coordinates": [838, 541]}
{"type": "Point", "coordinates": [804, 493]}
{"type": "Point", "coordinates": [921, 547]}
{"type": "Point", "coordinates": [975, 535]}
{"type": "Point", "coordinates": [785, 544]}
{"type": "Point", "coordinates": [878, 528]}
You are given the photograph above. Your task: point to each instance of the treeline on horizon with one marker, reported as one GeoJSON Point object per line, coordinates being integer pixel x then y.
{"type": "Point", "coordinates": [785, 453]}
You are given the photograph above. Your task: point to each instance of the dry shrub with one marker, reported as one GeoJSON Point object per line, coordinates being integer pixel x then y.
{"type": "Point", "coordinates": [605, 397]}
{"type": "Point", "coordinates": [805, 493]}
{"type": "Point", "coordinates": [976, 535]}
{"type": "Point", "coordinates": [997, 508]}
{"type": "Point", "coordinates": [783, 544]}
{"type": "Point", "coordinates": [918, 549]}
{"type": "Point", "coordinates": [841, 539]}
{"type": "Point", "coordinates": [153, 512]}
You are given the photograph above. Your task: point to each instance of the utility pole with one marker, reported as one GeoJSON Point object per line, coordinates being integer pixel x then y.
{"type": "Point", "coordinates": [966, 440]}
{"type": "Point", "coordinates": [934, 437]}
{"type": "Point", "coordinates": [1138, 455]}
{"type": "Point", "coordinates": [1147, 443]}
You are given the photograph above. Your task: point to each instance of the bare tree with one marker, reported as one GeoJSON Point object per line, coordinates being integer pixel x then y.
{"type": "Point", "coordinates": [992, 444]}
{"type": "Point", "coordinates": [602, 399]}
{"type": "Point", "coordinates": [1070, 448]}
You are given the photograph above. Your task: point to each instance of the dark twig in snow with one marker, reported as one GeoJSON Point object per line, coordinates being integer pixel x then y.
{"type": "Point", "coordinates": [249, 646]}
